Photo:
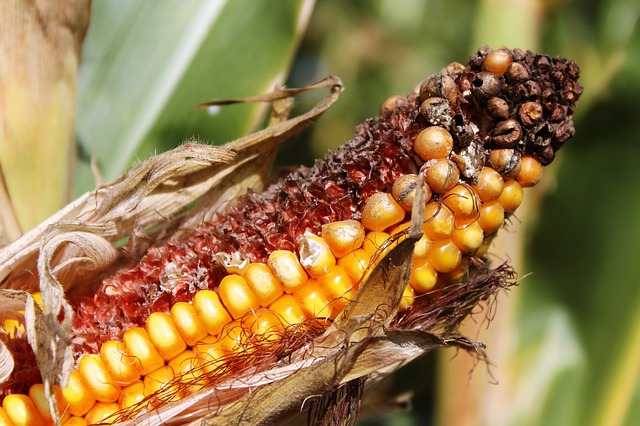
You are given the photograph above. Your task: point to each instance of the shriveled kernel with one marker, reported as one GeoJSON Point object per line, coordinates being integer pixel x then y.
{"type": "Point", "coordinates": [376, 240]}
{"type": "Point", "coordinates": [530, 172]}
{"type": "Point", "coordinates": [131, 395]}
{"type": "Point", "coordinates": [236, 296]}
{"type": "Point", "coordinates": [444, 256]}
{"type": "Point", "coordinates": [439, 221]}
{"type": "Point", "coordinates": [21, 410]}
{"type": "Point", "coordinates": [164, 335]}
{"type": "Point", "coordinates": [461, 199]}
{"type": "Point", "coordinates": [497, 62]}
{"type": "Point", "coordinates": [288, 310]}
{"type": "Point", "coordinates": [139, 345]}
{"type": "Point", "coordinates": [489, 185]}
{"type": "Point", "coordinates": [408, 297]}
{"type": "Point", "coordinates": [102, 412]}
{"type": "Point", "coordinates": [97, 378]}
{"type": "Point", "coordinates": [469, 238]}
{"type": "Point", "coordinates": [77, 395]}
{"type": "Point", "coordinates": [343, 236]}
{"type": "Point", "coordinates": [404, 190]}
{"type": "Point", "coordinates": [40, 401]}
{"type": "Point", "coordinates": [188, 323]}
{"type": "Point", "coordinates": [338, 287]}
{"type": "Point", "coordinates": [312, 300]}
{"type": "Point", "coordinates": [211, 311]}
{"type": "Point", "coordinates": [491, 216]}
{"type": "Point", "coordinates": [263, 283]}
{"type": "Point", "coordinates": [381, 211]}
{"type": "Point", "coordinates": [390, 103]}
{"type": "Point", "coordinates": [423, 276]}
{"type": "Point", "coordinates": [355, 263]}
{"type": "Point", "coordinates": [511, 196]}
{"type": "Point", "coordinates": [441, 175]}
{"type": "Point", "coordinates": [315, 255]}
{"type": "Point", "coordinates": [433, 142]}
{"type": "Point", "coordinates": [285, 266]}
{"type": "Point", "coordinates": [124, 368]}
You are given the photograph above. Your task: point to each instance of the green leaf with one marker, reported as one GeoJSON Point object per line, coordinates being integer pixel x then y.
{"type": "Point", "coordinates": [147, 64]}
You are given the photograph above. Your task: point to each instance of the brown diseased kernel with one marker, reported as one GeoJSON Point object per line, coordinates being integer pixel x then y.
{"type": "Point", "coordinates": [530, 172]}
{"type": "Point", "coordinates": [390, 103]}
{"type": "Point", "coordinates": [497, 62]}
{"type": "Point", "coordinates": [530, 113]}
{"type": "Point", "coordinates": [433, 142]}
{"type": "Point", "coordinates": [404, 190]}
{"type": "Point", "coordinates": [505, 161]}
{"type": "Point", "coordinates": [441, 175]}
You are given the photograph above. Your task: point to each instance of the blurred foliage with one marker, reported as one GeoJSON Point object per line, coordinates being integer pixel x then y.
{"type": "Point", "coordinates": [576, 331]}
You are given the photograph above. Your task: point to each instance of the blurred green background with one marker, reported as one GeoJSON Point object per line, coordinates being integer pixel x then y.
{"type": "Point", "coordinates": [565, 345]}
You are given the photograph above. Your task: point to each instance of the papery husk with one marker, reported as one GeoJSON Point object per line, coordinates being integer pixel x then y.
{"type": "Point", "coordinates": [76, 244]}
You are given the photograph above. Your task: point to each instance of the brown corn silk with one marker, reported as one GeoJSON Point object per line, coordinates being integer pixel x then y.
{"type": "Point", "coordinates": [523, 110]}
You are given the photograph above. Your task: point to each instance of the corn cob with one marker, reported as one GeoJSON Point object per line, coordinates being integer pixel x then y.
{"type": "Point", "coordinates": [289, 260]}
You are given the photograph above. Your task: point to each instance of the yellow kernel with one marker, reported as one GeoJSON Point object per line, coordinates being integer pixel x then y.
{"type": "Point", "coordinates": [530, 171]}
{"type": "Point", "coordinates": [312, 300]}
{"type": "Point", "coordinates": [343, 236]}
{"type": "Point", "coordinates": [441, 175]}
{"type": "Point", "coordinates": [374, 241]}
{"type": "Point", "coordinates": [263, 283]}
{"type": "Point", "coordinates": [288, 309]}
{"type": "Point", "coordinates": [511, 196]}
{"type": "Point", "coordinates": [264, 323]}
{"type": "Point", "coordinates": [236, 296]}
{"type": "Point", "coordinates": [315, 255]}
{"type": "Point", "coordinates": [21, 410]}
{"type": "Point", "coordinates": [404, 190]}
{"type": "Point", "coordinates": [124, 368]}
{"type": "Point", "coordinates": [497, 62]}
{"type": "Point", "coordinates": [468, 238]}
{"type": "Point", "coordinates": [408, 297]}
{"type": "Point", "coordinates": [439, 221]}
{"type": "Point", "coordinates": [423, 277]}
{"type": "Point", "coordinates": [210, 354]}
{"type": "Point", "coordinates": [210, 311]}
{"type": "Point", "coordinates": [338, 287]}
{"type": "Point", "coordinates": [77, 395]}
{"type": "Point", "coordinates": [164, 335]}
{"type": "Point", "coordinates": [102, 412]}
{"type": "Point", "coordinates": [233, 337]}
{"type": "Point", "coordinates": [285, 266]}
{"type": "Point", "coordinates": [381, 211]}
{"type": "Point", "coordinates": [461, 199]}
{"type": "Point", "coordinates": [400, 229]}
{"type": "Point", "coordinates": [491, 216]}
{"type": "Point", "coordinates": [433, 142]}
{"type": "Point", "coordinates": [36, 393]}
{"type": "Point", "coordinates": [131, 395]}
{"type": "Point", "coordinates": [188, 323]}
{"type": "Point", "coordinates": [390, 103]}
{"type": "Point", "coordinates": [139, 345]}
{"type": "Point", "coordinates": [444, 256]}
{"type": "Point", "coordinates": [184, 364]}
{"type": "Point", "coordinates": [158, 383]}
{"type": "Point", "coordinates": [457, 274]}
{"type": "Point", "coordinates": [5, 420]}
{"type": "Point", "coordinates": [489, 185]}
{"type": "Point", "coordinates": [98, 379]}
{"type": "Point", "coordinates": [421, 248]}
{"type": "Point", "coordinates": [355, 263]}
{"type": "Point", "coordinates": [75, 421]}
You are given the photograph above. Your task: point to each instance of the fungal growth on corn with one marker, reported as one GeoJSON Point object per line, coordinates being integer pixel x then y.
{"type": "Point", "coordinates": [272, 270]}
